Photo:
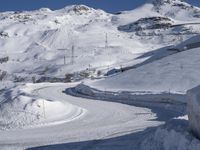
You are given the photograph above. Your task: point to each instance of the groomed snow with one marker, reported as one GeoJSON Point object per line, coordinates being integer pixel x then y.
{"type": "Point", "coordinates": [24, 109]}
{"type": "Point", "coordinates": [102, 120]}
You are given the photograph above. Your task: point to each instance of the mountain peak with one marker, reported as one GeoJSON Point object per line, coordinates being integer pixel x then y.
{"type": "Point", "coordinates": [177, 9]}
{"type": "Point", "coordinates": [77, 8]}
{"type": "Point", "coordinates": [162, 2]}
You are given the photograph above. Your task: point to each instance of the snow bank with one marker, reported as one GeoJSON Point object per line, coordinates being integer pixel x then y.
{"type": "Point", "coordinates": [194, 109]}
{"type": "Point", "coordinates": [191, 43]}
{"type": "Point", "coordinates": [21, 108]}
{"type": "Point", "coordinates": [26, 111]}
{"type": "Point", "coordinates": [141, 98]}
{"type": "Point", "coordinates": [166, 139]}
{"type": "Point", "coordinates": [173, 135]}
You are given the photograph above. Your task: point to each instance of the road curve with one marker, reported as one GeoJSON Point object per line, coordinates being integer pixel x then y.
{"type": "Point", "coordinates": [102, 120]}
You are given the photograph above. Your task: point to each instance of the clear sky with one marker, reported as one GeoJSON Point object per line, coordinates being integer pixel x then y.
{"type": "Point", "coordinates": [107, 5]}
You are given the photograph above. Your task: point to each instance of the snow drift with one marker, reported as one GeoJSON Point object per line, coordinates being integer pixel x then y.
{"type": "Point", "coordinates": [194, 109]}
{"type": "Point", "coordinates": [21, 108]}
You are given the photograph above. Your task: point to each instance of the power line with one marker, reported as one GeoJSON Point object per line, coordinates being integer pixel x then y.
{"type": "Point", "coordinates": [72, 56]}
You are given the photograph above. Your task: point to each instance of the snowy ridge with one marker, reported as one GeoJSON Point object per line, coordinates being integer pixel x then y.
{"type": "Point", "coordinates": [176, 9]}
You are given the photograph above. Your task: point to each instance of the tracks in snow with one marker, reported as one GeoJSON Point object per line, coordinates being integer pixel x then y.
{"type": "Point", "coordinates": [103, 120]}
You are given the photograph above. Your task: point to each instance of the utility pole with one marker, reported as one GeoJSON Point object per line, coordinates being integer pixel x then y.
{"type": "Point", "coordinates": [72, 56]}
{"type": "Point", "coordinates": [65, 55]}
{"type": "Point", "coordinates": [106, 48]}
{"type": "Point", "coordinates": [89, 67]}
{"type": "Point", "coordinates": [64, 60]}
{"type": "Point", "coordinates": [44, 113]}
{"type": "Point", "coordinates": [106, 41]}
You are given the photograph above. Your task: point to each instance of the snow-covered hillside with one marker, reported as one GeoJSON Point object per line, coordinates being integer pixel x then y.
{"type": "Point", "coordinates": [148, 57]}
{"type": "Point", "coordinates": [176, 72]}
{"type": "Point", "coordinates": [177, 9]}
{"type": "Point", "coordinates": [36, 42]}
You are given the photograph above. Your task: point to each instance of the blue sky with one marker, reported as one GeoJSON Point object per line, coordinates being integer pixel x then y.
{"type": "Point", "coordinates": [107, 5]}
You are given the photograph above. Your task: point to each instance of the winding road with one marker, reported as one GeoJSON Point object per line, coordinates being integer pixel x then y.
{"type": "Point", "coordinates": [96, 120]}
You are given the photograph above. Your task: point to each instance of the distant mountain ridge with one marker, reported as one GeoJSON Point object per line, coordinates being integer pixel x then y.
{"type": "Point", "coordinates": [173, 8]}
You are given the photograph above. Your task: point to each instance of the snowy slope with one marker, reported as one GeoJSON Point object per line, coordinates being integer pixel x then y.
{"type": "Point", "coordinates": [177, 72]}
{"type": "Point", "coordinates": [37, 41]}
{"type": "Point", "coordinates": [176, 9]}
{"type": "Point", "coordinates": [156, 46]}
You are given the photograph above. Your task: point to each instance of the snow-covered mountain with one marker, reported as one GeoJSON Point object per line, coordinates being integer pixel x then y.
{"type": "Point", "coordinates": [177, 9]}
{"type": "Point", "coordinates": [148, 56]}
{"type": "Point", "coordinates": [77, 42]}
{"type": "Point", "coordinates": [37, 41]}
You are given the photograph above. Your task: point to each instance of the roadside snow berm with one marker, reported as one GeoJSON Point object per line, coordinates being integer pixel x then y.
{"type": "Point", "coordinates": [193, 106]}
